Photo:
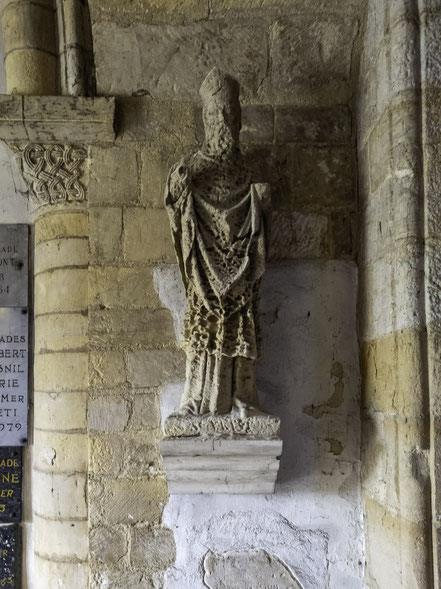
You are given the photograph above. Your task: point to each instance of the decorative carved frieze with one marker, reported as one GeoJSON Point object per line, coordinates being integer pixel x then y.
{"type": "Point", "coordinates": [54, 172]}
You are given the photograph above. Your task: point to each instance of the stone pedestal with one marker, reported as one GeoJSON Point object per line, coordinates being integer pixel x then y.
{"type": "Point", "coordinates": [221, 464]}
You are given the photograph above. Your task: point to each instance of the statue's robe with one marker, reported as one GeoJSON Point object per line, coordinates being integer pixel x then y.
{"type": "Point", "coordinates": [220, 245]}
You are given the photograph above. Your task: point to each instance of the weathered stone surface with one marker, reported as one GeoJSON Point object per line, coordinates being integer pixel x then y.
{"type": "Point", "coordinates": [130, 329]}
{"type": "Point", "coordinates": [297, 235]}
{"type": "Point", "coordinates": [113, 175]}
{"type": "Point", "coordinates": [319, 76]}
{"type": "Point", "coordinates": [45, 118]}
{"type": "Point", "coordinates": [145, 414]}
{"type": "Point", "coordinates": [395, 548]}
{"type": "Point", "coordinates": [107, 414]}
{"type": "Point", "coordinates": [128, 501]}
{"type": "Point", "coordinates": [152, 549]}
{"type": "Point", "coordinates": [113, 287]}
{"type": "Point", "coordinates": [156, 162]}
{"type": "Point", "coordinates": [108, 544]}
{"type": "Point", "coordinates": [61, 225]}
{"type": "Point", "coordinates": [61, 540]}
{"type": "Point", "coordinates": [332, 125]}
{"type": "Point", "coordinates": [392, 448]}
{"type": "Point", "coordinates": [61, 371]}
{"type": "Point", "coordinates": [260, 425]}
{"type": "Point", "coordinates": [172, 61]}
{"type": "Point", "coordinates": [257, 124]}
{"type": "Point", "coordinates": [11, 117]}
{"type": "Point", "coordinates": [391, 369]}
{"type": "Point", "coordinates": [17, 32]}
{"type": "Point", "coordinates": [61, 332]}
{"type": "Point", "coordinates": [322, 176]}
{"type": "Point", "coordinates": [116, 579]}
{"type": "Point", "coordinates": [60, 411]}
{"type": "Point", "coordinates": [60, 291]}
{"type": "Point", "coordinates": [61, 253]}
{"type": "Point", "coordinates": [150, 11]}
{"type": "Point", "coordinates": [141, 454]}
{"type": "Point", "coordinates": [150, 368]}
{"type": "Point", "coordinates": [146, 235]}
{"type": "Point", "coordinates": [30, 72]}
{"type": "Point", "coordinates": [60, 452]}
{"type": "Point", "coordinates": [162, 124]}
{"type": "Point", "coordinates": [107, 369]}
{"type": "Point", "coordinates": [232, 7]}
{"type": "Point", "coordinates": [344, 235]}
{"type": "Point", "coordinates": [49, 573]}
{"type": "Point", "coordinates": [253, 568]}
{"type": "Point", "coordinates": [105, 234]}
{"type": "Point", "coordinates": [106, 455]}
{"type": "Point", "coordinates": [59, 496]}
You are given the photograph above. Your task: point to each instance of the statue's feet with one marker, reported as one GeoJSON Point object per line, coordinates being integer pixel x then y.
{"type": "Point", "coordinates": [185, 410]}
{"type": "Point", "coordinates": [243, 409]}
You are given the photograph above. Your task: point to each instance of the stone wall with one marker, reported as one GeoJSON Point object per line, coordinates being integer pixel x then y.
{"type": "Point", "coordinates": [135, 310]}
{"type": "Point", "coordinates": [298, 131]}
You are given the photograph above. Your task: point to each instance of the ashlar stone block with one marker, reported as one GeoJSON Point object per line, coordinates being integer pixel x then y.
{"type": "Point", "coordinates": [128, 500]}
{"type": "Point", "coordinates": [113, 175]}
{"type": "Point", "coordinates": [147, 236]}
{"type": "Point", "coordinates": [152, 549]}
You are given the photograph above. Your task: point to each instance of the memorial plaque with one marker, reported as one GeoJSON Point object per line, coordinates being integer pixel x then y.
{"type": "Point", "coordinates": [14, 345]}
{"type": "Point", "coordinates": [14, 254]}
{"type": "Point", "coordinates": [10, 485]}
{"type": "Point", "coordinates": [10, 556]}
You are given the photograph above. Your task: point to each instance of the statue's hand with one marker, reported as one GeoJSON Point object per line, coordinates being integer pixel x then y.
{"type": "Point", "coordinates": [179, 181]}
{"type": "Point", "coordinates": [263, 191]}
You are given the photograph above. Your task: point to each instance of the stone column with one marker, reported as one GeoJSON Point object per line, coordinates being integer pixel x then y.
{"type": "Point", "coordinates": [75, 48]}
{"type": "Point", "coordinates": [430, 26]}
{"type": "Point", "coordinates": [30, 51]}
{"type": "Point", "coordinates": [60, 510]}
{"type": "Point", "coordinates": [396, 485]}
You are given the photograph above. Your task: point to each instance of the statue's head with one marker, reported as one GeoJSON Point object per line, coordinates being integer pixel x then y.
{"type": "Point", "coordinates": [221, 112]}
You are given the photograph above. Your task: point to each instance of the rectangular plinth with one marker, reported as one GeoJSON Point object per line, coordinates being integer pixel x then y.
{"type": "Point", "coordinates": [221, 465]}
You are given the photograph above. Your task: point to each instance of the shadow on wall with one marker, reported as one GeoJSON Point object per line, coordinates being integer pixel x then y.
{"type": "Point", "coordinates": [308, 374]}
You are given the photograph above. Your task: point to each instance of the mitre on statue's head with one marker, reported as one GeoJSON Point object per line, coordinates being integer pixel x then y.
{"type": "Point", "coordinates": [219, 86]}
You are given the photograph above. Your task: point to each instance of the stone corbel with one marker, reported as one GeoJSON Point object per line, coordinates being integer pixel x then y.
{"type": "Point", "coordinates": [50, 138]}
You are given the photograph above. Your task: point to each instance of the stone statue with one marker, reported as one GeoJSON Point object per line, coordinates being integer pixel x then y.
{"type": "Point", "coordinates": [219, 223]}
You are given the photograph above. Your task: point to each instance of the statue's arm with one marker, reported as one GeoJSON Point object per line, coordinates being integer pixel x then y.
{"type": "Point", "coordinates": [178, 183]}
{"type": "Point", "coordinates": [263, 191]}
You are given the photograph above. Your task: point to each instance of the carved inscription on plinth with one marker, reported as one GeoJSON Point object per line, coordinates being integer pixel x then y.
{"type": "Point", "coordinates": [14, 265]}
{"type": "Point", "coordinates": [14, 346]}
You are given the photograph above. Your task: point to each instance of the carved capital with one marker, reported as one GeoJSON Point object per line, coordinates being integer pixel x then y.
{"type": "Point", "coordinates": [54, 173]}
